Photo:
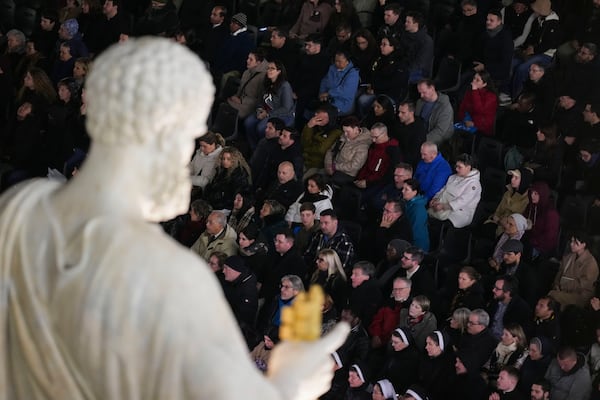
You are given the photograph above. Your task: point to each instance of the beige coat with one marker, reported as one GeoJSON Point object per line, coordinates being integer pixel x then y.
{"type": "Point", "coordinates": [351, 155]}
{"type": "Point", "coordinates": [250, 90]}
{"type": "Point", "coordinates": [574, 282]}
{"type": "Point", "coordinates": [226, 243]}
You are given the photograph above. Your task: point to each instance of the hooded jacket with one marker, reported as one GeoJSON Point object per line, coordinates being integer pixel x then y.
{"type": "Point", "coordinates": [515, 201]}
{"type": "Point", "coordinates": [575, 384]}
{"type": "Point", "coordinates": [462, 194]}
{"type": "Point", "coordinates": [348, 156]}
{"type": "Point", "coordinates": [544, 218]}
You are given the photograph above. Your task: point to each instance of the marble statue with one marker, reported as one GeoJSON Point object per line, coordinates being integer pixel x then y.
{"type": "Point", "coordinates": [98, 303]}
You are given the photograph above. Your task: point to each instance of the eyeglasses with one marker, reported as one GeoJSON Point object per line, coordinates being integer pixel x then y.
{"type": "Point", "coordinates": [286, 287]}
{"type": "Point", "coordinates": [375, 137]}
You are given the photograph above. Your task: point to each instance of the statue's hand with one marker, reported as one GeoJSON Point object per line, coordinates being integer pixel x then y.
{"type": "Point", "coordinates": [303, 370]}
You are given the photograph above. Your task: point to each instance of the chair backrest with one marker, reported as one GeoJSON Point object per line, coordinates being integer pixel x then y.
{"type": "Point", "coordinates": [352, 229]}
{"type": "Point", "coordinates": [226, 121]}
{"type": "Point", "coordinates": [490, 153]}
{"type": "Point", "coordinates": [574, 213]}
{"type": "Point", "coordinates": [447, 78]}
{"type": "Point", "coordinates": [7, 14]}
{"type": "Point", "coordinates": [25, 20]}
{"type": "Point", "coordinates": [493, 184]}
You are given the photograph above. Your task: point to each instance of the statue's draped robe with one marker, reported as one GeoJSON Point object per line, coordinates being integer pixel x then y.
{"type": "Point", "coordinates": [112, 310]}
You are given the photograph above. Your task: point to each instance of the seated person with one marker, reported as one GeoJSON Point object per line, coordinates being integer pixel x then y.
{"type": "Point", "coordinates": [432, 171]}
{"type": "Point", "coordinates": [251, 85]}
{"type": "Point", "coordinates": [574, 282]}
{"type": "Point", "coordinates": [519, 124]}
{"type": "Point", "coordinates": [510, 351]}
{"type": "Point", "coordinates": [546, 156]}
{"type": "Point", "coordinates": [540, 45]}
{"type": "Point", "coordinates": [388, 75]}
{"type": "Point", "coordinates": [416, 213]}
{"type": "Point", "coordinates": [287, 148]}
{"type": "Point", "coordinates": [310, 226]}
{"type": "Point", "coordinates": [417, 47]}
{"type": "Point", "coordinates": [317, 192]}
{"type": "Point", "coordinates": [243, 212]}
{"type": "Point", "coordinates": [514, 200]}
{"type": "Point", "coordinates": [349, 153]}
{"type": "Point", "coordinates": [477, 110]}
{"type": "Point", "coordinates": [387, 317]}
{"type": "Point", "coordinates": [435, 110]}
{"type": "Point", "coordinates": [382, 155]}
{"type": "Point", "coordinates": [411, 133]}
{"type": "Point", "coordinates": [312, 67]}
{"type": "Point", "coordinates": [458, 199]}
{"type": "Point", "coordinates": [418, 320]}
{"type": "Point", "coordinates": [203, 166]}
{"type": "Point", "coordinates": [265, 146]}
{"type": "Point", "coordinates": [285, 189]}
{"type": "Point", "coordinates": [542, 237]}
{"type": "Point", "coordinates": [340, 85]}
{"type": "Point", "coordinates": [277, 101]}
{"type": "Point", "coordinates": [233, 173]}
{"type": "Point", "coordinates": [399, 366]}
{"type": "Point", "coordinates": [318, 135]}
{"type": "Point", "coordinates": [218, 236]}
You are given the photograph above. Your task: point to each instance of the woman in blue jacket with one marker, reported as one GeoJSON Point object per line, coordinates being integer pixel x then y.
{"type": "Point", "coordinates": [416, 212]}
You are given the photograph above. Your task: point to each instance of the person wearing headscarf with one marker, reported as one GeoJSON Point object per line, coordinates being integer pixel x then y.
{"type": "Point", "coordinates": [415, 392]}
{"type": "Point", "coordinates": [436, 368]}
{"type": "Point", "coordinates": [357, 384]}
{"type": "Point", "coordinates": [399, 365]}
{"type": "Point", "coordinates": [541, 352]}
{"type": "Point", "coordinates": [384, 390]}
{"type": "Point", "coordinates": [514, 228]}
{"type": "Point", "coordinates": [514, 200]}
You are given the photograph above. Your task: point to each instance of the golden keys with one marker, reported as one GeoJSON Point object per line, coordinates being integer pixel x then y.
{"type": "Point", "coordinates": [302, 320]}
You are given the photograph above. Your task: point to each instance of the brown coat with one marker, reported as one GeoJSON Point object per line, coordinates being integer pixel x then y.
{"type": "Point", "coordinates": [576, 284]}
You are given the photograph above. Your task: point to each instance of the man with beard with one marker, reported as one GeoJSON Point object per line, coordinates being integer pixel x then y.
{"type": "Point", "coordinates": [97, 302]}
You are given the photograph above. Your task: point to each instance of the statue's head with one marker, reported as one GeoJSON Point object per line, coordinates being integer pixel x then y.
{"type": "Point", "coordinates": [152, 94]}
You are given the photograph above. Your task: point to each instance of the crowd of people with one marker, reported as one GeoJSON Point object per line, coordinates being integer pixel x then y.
{"type": "Point", "coordinates": [360, 165]}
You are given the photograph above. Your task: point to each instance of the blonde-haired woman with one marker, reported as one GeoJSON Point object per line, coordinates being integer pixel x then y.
{"type": "Point", "coordinates": [331, 276]}
{"type": "Point", "coordinates": [511, 351]}
{"type": "Point", "coordinates": [233, 174]}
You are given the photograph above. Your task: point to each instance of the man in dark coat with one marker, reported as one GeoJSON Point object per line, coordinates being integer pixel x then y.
{"type": "Point", "coordinates": [241, 293]}
{"type": "Point", "coordinates": [477, 346]}
{"type": "Point", "coordinates": [507, 306]}
{"type": "Point", "coordinates": [365, 296]}
{"type": "Point", "coordinates": [287, 261]}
